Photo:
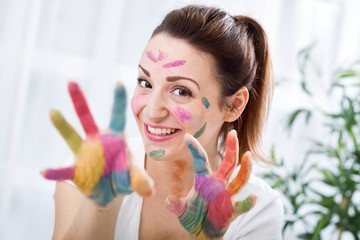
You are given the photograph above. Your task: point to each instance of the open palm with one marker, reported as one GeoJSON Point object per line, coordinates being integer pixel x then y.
{"type": "Point", "coordinates": [103, 168]}
{"type": "Point", "coordinates": [209, 208]}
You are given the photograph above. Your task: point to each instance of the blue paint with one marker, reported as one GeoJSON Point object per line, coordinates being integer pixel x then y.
{"type": "Point", "coordinates": [205, 102]}
{"type": "Point", "coordinates": [118, 118]}
{"type": "Point", "coordinates": [110, 186]}
{"type": "Point", "coordinates": [199, 160]}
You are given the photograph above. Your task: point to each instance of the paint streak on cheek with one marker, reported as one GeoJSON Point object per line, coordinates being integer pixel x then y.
{"type": "Point", "coordinates": [182, 114]}
{"type": "Point", "coordinates": [136, 103]}
{"type": "Point", "coordinates": [205, 102]}
{"type": "Point", "coordinates": [176, 177]}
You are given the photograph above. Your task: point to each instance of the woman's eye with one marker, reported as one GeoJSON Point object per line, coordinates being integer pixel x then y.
{"type": "Point", "coordinates": [143, 83]}
{"type": "Point", "coordinates": [182, 91]}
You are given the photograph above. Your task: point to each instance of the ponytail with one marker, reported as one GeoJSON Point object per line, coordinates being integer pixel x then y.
{"type": "Point", "coordinates": [250, 124]}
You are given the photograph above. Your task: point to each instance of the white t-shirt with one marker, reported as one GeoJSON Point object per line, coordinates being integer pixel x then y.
{"type": "Point", "coordinates": [262, 222]}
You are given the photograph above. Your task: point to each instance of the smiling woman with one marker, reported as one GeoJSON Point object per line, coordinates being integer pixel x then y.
{"type": "Point", "coordinates": [204, 76]}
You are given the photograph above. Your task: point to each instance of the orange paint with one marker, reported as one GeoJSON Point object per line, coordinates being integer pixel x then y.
{"type": "Point", "coordinates": [177, 177]}
{"type": "Point", "coordinates": [243, 175]}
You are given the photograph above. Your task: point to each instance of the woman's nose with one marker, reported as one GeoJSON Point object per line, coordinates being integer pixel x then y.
{"type": "Point", "coordinates": [156, 108]}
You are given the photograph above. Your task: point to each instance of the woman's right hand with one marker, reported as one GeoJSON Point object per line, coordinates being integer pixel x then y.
{"type": "Point", "coordinates": [103, 167]}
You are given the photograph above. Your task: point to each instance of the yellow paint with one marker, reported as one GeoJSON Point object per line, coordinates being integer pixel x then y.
{"type": "Point", "coordinates": [201, 236]}
{"type": "Point", "coordinates": [90, 166]}
{"type": "Point", "coordinates": [66, 130]}
{"type": "Point", "coordinates": [141, 182]}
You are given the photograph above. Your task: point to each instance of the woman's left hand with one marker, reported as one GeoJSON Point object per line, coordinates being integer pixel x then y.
{"type": "Point", "coordinates": [209, 208]}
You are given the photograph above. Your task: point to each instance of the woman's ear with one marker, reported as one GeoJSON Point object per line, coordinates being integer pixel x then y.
{"type": "Point", "coordinates": [237, 103]}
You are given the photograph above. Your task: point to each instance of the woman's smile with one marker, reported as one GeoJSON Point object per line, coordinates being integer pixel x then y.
{"type": "Point", "coordinates": [158, 133]}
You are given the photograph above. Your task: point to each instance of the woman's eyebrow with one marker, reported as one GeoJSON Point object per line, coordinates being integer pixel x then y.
{"type": "Point", "coordinates": [144, 70]}
{"type": "Point", "coordinates": [171, 78]}
{"type": "Point", "coordinates": [176, 78]}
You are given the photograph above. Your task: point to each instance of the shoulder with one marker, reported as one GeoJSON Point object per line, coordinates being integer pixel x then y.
{"type": "Point", "coordinates": [265, 219]}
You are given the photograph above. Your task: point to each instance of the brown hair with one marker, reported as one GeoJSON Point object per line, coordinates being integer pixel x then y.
{"type": "Point", "coordinates": [240, 49]}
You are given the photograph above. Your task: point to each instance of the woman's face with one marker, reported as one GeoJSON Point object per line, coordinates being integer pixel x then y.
{"type": "Point", "coordinates": [177, 93]}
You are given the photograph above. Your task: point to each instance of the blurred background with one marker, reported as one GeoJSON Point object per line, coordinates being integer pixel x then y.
{"type": "Point", "coordinates": [43, 44]}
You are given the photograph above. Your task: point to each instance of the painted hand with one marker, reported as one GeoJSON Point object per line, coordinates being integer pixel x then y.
{"type": "Point", "coordinates": [209, 208]}
{"type": "Point", "coordinates": [103, 168]}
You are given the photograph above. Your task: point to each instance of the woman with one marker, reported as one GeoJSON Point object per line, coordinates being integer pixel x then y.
{"type": "Point", "coordinates": [202, 74]}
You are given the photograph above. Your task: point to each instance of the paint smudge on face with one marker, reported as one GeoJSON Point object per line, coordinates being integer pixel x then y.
{"type": "Point", "coordinates": [162, 56]}
{"type": "Point", "coordinates": [205, 102]}
{"type": "Point", "coordinates": [157, 153]}
{"type": "Point", "coordinates": [135, 100]}
{"type": "Point", "coordinates": [182, 114]}
{"type": "Point", "coordinates": [200, 132]}
{"type": "Point", "coordinates": [174, 64]}
{"type": "Point", "coordinates": [176, 177]}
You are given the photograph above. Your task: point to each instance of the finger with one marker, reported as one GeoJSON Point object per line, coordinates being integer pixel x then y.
{"type": "Point", "coordinates": [118, 118]}
{"type": "Point", "coordinates": [245, 205]}
{"type": "Point", "coordinates": [231, 157]}
{"type": "Point", "coordinates": [66, 131]}
{"type": "Point", "coordinates": [141, 182]}
{"type": "Point", "coordinates": [82, 110]}
{"type": "Point", "coordinates": [243, 175]}
{"type": "Point", "coordinates": [176, 205]}
{"type": "Point", "coordinates": [200, 162]}
{"type": "Point", "coordinates": [59, 174]}
{"type": "Point", "coordinates": [193, 217]}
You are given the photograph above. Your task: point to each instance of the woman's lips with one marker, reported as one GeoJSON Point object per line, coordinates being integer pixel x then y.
{"type": "Point", "coordinates": [159, 138]}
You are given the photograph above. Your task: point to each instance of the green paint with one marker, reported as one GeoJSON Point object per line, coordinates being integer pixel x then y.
{"type": "Point", "coordinates": [194, 214]}
{"type": "Point", "coordinates": [243, 206]}
{"type": "Point", "coordinates": [205, 102]}
{"type": "Point", "coordinates": [157, 153]}
{"type": "Point", "coordinates": [200, 132]}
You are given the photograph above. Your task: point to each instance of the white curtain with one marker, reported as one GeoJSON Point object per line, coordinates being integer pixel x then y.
{"type": "Point", "coordinates": [44, 43]}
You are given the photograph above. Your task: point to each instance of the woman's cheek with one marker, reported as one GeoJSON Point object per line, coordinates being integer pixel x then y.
{"type": "Point", "coordinates": [193, 120]}
{"type": "Point", "coordinates": [137, 103]}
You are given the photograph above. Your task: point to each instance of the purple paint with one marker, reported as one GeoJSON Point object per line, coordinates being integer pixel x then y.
{"type": "Point", "coordinates": [207, 187]}
{"type": "Point", "coordinates": [174, 64]}
{"type": "Point", "coordinates": [182, 114]}
{"type": "Point", "coordinates": [114, 153]}
{"type": "Point", "coordinates": [162, 56]}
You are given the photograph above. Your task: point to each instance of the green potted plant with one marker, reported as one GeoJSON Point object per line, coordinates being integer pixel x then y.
{"type": "Point", "coordinates": [337, 208]}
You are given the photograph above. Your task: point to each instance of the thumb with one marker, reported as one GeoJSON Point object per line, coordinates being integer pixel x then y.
{"type": "Point", "coordinates": [176, 205]}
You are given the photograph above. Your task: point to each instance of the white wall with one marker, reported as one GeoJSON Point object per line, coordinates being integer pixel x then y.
{"type": "Point", "coordinates": [43, 44]}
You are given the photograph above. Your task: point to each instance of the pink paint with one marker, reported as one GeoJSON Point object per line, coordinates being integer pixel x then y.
{"type": "Point", "coordinates": [59, 174]}
{"type": "Point", "coordinates": [176, 205]}
{"type": "Point", "coordinates": [174, 64]}
{"type": "Point", "coordinates": [182, 114]}
{"type": "Point", "coordinates": [114, 153]}
{"type": "Point", "coordinates": [162, 56]}
{"type": "Point", "coordinates": [82, 110]}
{"type": "Point", "coordinates": [221, 210]}
{"type": "Point", "coordinates": [135, 100]}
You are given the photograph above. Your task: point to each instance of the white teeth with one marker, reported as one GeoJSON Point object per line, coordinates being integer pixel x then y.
{"type": "Point", "coordinates": [161, 131]}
